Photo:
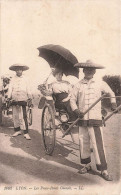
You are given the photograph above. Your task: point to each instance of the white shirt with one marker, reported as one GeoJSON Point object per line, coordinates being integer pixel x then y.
{"type": "Point", "coordinates": [19, 89]}
{"type": "Point", "coordinates": [60, 87]}
{"type": "Point", "coordinates": [85, 93]}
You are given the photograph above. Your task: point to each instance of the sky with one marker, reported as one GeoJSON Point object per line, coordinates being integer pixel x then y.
{"type": "Point", "coordinates": [90, 29]}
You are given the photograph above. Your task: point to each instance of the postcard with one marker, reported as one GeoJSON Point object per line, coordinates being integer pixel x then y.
{"type": "Point", "coordinates": [46, 47]}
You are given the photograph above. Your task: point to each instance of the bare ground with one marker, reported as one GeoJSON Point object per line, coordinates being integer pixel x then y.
{"type": "Point", "coordinates": [24, 163]}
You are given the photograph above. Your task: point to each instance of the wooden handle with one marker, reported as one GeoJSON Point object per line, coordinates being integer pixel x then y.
{"type": "Point", "coordinates": [105, 119]}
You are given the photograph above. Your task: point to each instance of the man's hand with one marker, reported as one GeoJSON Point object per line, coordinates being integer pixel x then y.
{"type": "Point", "coordinates": [78, 113]}
{"type": "Point", "coordinates": [113, 106]}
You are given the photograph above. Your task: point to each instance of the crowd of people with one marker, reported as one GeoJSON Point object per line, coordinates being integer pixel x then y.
{"type": "Point", "coordinates": [75, 100]}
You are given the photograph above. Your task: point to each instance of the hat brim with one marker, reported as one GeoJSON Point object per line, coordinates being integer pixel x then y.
{"type": "Point", "coordinates": [86, 65]}
{"type": "Point", "coordinates": [16, 67]}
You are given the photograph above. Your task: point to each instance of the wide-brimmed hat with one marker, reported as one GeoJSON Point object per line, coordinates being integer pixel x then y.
{"type": "Point", "coordinates": [15, 67]}
{"type": "Point", "coordinates": [89, 64]}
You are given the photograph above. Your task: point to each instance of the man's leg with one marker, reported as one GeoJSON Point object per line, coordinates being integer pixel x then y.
{"type": "Point", "coordinates": [84, 146]}
{"type": "Point", "coordinates": [99, 152]}
{"type": "Point", "coordinates": [24, 121]}
{"type": "Point", "coordinates": [15, 110]}
{"type": "Point", "coordinates": [98, 147]}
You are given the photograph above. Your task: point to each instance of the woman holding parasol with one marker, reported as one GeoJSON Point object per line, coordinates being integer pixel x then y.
{"type": "Point", "coordinates": [60, 90]}
{"type": "Point", "coordinates": [62, 60]}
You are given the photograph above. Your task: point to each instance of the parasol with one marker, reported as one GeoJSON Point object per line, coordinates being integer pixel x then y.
{"type": "Point", "coordinates": [59, 57]}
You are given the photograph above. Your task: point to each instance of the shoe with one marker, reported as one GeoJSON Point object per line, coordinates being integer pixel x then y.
{"type": "Point", "coordinates": [106, 176]}
{"type": "Point", "coordinates": [16, 134]}
{"type": "Point", "coordinates": [27, 136]}
{"type": "Point", "coordinates": [85, 170]}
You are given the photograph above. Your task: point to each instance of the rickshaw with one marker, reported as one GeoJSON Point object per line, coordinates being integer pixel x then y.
{"type": "Point", "coordinates": [53, 119]}
{"type": "Point", "coordinates": [58, 119]}
{"type": "Point", "coordinates": [49, 126]}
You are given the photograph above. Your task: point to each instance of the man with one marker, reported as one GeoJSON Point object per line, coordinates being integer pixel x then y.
{"type": "Point", "coordinates": [84, 94]}
{"type": "Point", "coordinates": [20, 94]}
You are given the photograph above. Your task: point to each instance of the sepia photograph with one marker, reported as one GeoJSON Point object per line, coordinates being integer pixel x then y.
{"type": "Point", "coordinates": [60, 97]}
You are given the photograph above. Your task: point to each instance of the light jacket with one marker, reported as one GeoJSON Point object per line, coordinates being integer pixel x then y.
{"type": "Point", "coordinates": [19, 89]}
{"type": "Point", "coordinates": [60, 87]}
{"type": "Point", "coordinates": [57, 87]}
{"type": "Point", "coordinates": [85, 93]}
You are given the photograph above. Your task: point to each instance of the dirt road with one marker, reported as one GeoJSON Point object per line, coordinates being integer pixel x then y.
{"type": "Point", "coordinates": [26, 169]}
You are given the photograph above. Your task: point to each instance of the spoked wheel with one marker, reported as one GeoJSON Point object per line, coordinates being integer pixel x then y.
{"type": "Point", "coordinates": [29, 116]}
{"type": "Point", "coordinates": [48, 129]}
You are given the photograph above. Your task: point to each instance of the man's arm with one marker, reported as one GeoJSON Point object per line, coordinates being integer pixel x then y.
{"type": "Point", "coordinates": [107, 89]}
{"type": "Point", "coordinates": [73, 98]}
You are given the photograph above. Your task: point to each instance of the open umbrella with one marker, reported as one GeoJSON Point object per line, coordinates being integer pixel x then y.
{"type": "Point", "coordinates": [59, 57]}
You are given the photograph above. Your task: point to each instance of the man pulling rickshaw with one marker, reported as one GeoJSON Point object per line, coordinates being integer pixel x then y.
{"type": "Point", "coordinates": [84, 94]}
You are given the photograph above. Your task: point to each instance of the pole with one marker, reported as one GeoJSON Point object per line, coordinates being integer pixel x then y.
{"type": "Point", "coordinates": [105, 119]}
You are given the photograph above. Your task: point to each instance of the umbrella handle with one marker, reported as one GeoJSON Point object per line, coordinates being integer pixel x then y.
{"type": "Point", "coordinates": [45, 82]}
{"type": "Point", "coordinates": [57, 62]}
{"type": "Point", "coordinates": [51, 71]}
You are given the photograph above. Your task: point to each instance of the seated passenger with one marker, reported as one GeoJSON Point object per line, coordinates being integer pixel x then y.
{"type": "Point", "coordinates": [60, 90]}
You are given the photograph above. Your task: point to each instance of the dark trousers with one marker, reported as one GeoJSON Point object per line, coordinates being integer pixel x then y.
{"type": "Point", "coordinates": [92, 135]}
{"type": "Point", "coordinates": [64, 105]}
{"type": "Point", "coordinates": [20, 118]}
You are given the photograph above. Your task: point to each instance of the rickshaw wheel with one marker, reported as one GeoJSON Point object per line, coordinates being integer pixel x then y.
{"type": "Point", "coordinates": [30, 116]}
{"type": "Point", "coordinates": [48, 129]}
